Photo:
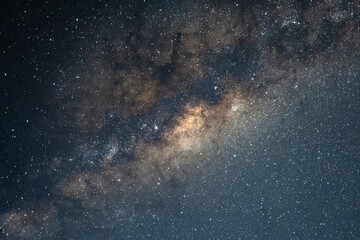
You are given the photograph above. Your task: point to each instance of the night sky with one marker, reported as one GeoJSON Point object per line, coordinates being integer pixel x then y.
{"type": "Point", "coordinates": [179, 119]}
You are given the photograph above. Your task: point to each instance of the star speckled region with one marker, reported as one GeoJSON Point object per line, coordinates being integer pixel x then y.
{"type": "Point", "coordinates": [180, 120]}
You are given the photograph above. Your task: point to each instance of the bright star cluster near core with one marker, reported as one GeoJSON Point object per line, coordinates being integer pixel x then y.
{"type": "Point", "coordinates": [180, 120]}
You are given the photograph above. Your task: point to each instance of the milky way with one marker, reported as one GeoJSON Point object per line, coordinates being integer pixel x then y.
{"type": "Point", "coordinates": [197, 120]}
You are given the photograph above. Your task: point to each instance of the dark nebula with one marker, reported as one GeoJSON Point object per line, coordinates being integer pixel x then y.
{"type": "Point", "coordinates": [180, 119]}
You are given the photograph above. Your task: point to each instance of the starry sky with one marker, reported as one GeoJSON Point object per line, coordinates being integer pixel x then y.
{"type": "Point", "coordinates": [182, 119]}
